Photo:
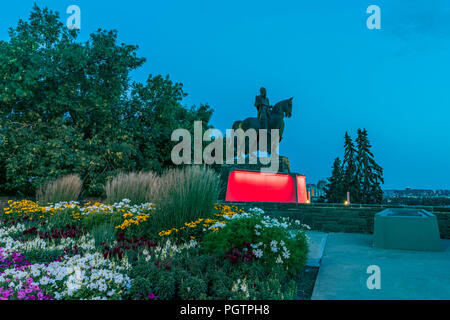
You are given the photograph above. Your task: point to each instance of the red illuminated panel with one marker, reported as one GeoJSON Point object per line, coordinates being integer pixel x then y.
{"type": "Point", "coordinates": [301, 189]}
{"type": "Point", "coordinates": [260, 187]}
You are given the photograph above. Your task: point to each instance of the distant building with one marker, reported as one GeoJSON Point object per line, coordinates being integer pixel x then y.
{"type": "Point", "coordinates": [416, 193]}
{"type": "Point", "coordinates": [316, 191]}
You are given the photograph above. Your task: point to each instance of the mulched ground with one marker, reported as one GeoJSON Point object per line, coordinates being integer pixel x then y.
{"type": "Point", "coordinates": [305, 283]}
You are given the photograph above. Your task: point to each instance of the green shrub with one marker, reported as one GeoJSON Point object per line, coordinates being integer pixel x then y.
{"type": "Point", "coordinates": [42, 255]}
{"type": "Point", "coordinates": [274, 242]}
{"type": "Point", "coordinates": [66, 188]}
{"type": "Point", "coordinates": [220, 285]}
{"type": "Point", "coordinates": [192, 274]}
{"type": "Point", "coordinates": [61, 219]}
{"type": "Point", "coordinates": [193, 288]}
{"type": "Point", "coordinates": [138, 187]}
{"type": "Point", "coordinates": [272, 288]}
{"type": "Point", "coordinates": [185, 195]}
{"type": "Point", "coordinates": [234, 234]}
{"type": "Point", "coordinates": [141, 288]}
{"type": "Point", "coordinates": [95, 220]}
{"type": "Point", "coordinates": [164, 284]}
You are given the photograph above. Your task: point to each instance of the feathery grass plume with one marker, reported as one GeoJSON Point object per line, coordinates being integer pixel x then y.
{"type": "Point", "coordinates": [139, 187]}
{"type": "Point", "coordinates": [185, 195]}
{"type": "Point", "coordinates": [66, 188]}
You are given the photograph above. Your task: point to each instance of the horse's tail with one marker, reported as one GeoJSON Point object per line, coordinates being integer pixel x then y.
{"type": "Point", "coordinates": [236, 125]}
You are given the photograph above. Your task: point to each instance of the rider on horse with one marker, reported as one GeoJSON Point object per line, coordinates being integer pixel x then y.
{"type": "Point", "coordinates": [263, 106]}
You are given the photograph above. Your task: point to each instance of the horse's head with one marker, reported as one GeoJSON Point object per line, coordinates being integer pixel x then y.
{"type": "Point", "coordinates": [284, 107]}
{"type": "Point", "coordinates": [288, 107]}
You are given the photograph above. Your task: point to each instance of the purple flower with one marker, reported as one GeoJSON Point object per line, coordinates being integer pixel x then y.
{"type": "Point", "coordinates": [6, 293]}
{"type": "Point", "coordinates": [152, 296]}
{"type": "Point", "coordinates": [21, 294]}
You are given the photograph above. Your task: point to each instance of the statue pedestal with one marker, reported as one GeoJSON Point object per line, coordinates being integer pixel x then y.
{"type": "Point", "coordinates": [283, 167]}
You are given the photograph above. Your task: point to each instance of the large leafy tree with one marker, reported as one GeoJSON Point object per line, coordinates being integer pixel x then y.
{"type": "Point", "coordinates": [68, 106]}
{"type": "Point", "coordinates": [154, 111]}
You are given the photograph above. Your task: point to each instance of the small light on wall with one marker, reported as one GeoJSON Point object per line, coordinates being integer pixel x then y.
{"type": "Point", "coordinates": [346, 202]}
{"type": "Point", "coordinates": [308, 201]}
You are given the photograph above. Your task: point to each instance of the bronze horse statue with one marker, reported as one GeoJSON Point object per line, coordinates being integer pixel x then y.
{"type": "Point", "coordinates": [275, 119]}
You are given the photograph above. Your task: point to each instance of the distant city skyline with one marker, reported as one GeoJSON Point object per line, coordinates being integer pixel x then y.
{"type": "Point", "coordinates": [343, 76]}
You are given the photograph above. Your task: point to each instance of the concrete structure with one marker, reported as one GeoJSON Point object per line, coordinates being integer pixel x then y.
{"type": "Point", "coordinates": [316, 246]}
{"type": "Point", "coordinates": [407, 229]}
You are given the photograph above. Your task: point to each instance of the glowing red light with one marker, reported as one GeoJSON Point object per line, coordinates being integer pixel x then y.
{"type": "Point", "coordinates": [302, 197]}
{"type": "Point", "coordinates": [257, 186]}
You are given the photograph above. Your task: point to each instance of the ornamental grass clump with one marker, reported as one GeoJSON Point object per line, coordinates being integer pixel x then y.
{"type": "Point", "coordinates": [184, 195]}
{"type": "Point", "coordinates": [63, 189]}
{"type": "Point", "coordinates": [139, 187]}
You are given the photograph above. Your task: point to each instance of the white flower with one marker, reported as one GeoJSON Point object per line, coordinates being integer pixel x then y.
{"type": "Point", "coordinates": [258, 253]}
{"type": "Point", "coordinates": [217, 225]}
{"type": "Point", "coordinates": [273, 246]}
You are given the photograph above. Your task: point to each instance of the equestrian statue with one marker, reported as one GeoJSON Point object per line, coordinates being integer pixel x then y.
{"type": "Point", "coordinates": [269, 117]}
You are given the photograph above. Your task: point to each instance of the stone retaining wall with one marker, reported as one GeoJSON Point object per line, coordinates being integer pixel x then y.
{"type": "Point", "coordinates": [338, 218]}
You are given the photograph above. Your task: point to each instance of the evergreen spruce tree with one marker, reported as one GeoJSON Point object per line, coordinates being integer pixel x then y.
{"type": "Point", "coordinates": [350, 182]}
{"type": "Point", "coordinates": [334, 189]}
{"type": "Point", "coordinates": [369, 175]}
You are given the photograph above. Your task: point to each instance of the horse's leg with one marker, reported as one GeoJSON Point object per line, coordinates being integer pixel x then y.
{"type": "Point", "coordinates": [252, 145]}
{"type": "Point", "coordinates": [276, 124]}
{"type": "Point", "coordinates": [244, 125]}
{"type": "Point", "coordinates": [281, 130]}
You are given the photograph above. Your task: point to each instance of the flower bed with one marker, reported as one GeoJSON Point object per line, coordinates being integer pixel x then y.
{"type": "Point", "coordinates": [99, 251]}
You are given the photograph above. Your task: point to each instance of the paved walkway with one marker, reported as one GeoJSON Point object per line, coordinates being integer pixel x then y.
{"type": "Point", "coordinates": [404, 274]}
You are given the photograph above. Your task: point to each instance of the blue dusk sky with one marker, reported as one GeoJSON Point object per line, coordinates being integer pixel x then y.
{"type": "Point", "coordinates": [394, 82]}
